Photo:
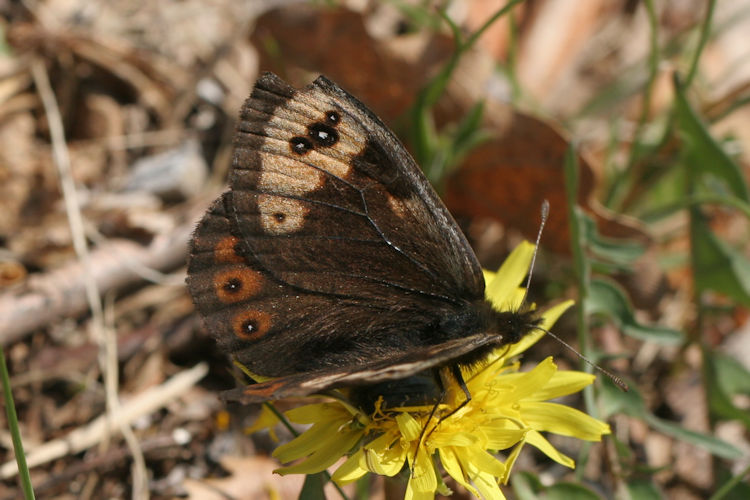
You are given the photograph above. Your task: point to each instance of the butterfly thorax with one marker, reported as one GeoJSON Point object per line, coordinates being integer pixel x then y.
{"type": "Point", "coordinates": [502, 328]}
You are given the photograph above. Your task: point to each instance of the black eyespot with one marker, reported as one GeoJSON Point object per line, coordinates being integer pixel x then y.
{"type": "Point", "coordinates": [279, 216]}
{"type": "Point", "coordinates": [233, 285]}
{"type": "Point", "coordinates": [323, 135]}
{"type": "Point", "coordinates": [333, 118]}
{"type": "Point", "coordinates": [300, 145]}
{"type": "Point", "coordinates": [249, 326]}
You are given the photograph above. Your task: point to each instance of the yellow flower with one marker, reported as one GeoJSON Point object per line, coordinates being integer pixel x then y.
{"type": "Point", "coordinates": [507, 410]}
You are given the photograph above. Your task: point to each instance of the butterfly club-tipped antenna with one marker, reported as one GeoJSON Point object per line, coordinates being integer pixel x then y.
{"type": "Point", "coordinates": [614, 378]}
{"type": "Point", "coordinates": [542, 222]}
{"type": "Point", "coordinates": [619, 382]}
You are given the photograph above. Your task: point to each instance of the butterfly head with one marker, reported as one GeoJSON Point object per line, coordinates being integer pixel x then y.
{"type": "Point", "coordinates": [512, 326]}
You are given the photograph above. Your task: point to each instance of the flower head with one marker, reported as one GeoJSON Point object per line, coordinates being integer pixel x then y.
{"type": "Point", "coordinates": [508, 409]}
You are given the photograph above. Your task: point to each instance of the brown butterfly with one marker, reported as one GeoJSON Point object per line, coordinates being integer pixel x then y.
{"type": "Point", "coordinates": [331, 261]}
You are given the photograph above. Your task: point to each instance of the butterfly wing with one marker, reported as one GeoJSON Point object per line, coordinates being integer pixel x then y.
{"type": "Point", "coordinates": [372, 372]}
{"type": "Point", "coordinates": [331, 248]}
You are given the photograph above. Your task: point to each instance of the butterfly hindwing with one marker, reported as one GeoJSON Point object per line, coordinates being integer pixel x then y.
{"type": "Point", "coordinates": [367, 373]}
{"type": "Point", "coordinates": [273, 328]}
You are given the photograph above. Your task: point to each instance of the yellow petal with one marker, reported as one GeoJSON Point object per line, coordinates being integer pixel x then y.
{"type": "Point", "coordinates": [563, 383]}
{"type": "Point", "coordinates": [351, 470]}
{"type": "Point", "coordinates": [563, 420]}
{"type": "Point", "coordinates": [318, 412]}
{"type": "Point", "coordinates": [537, 440]}
{"type": "Point", "coordinates": [409, 427]}
{"type": "Point", "coordinates": [325, 455]}
{"type": "Point", "coordinates": [501, 289]}
{"type": "Point", "coordinates": [476, 460]}
{"type": "Point", "coordinates": [527, 383]}
{"type": "Point", "coordinates": [487, 486]}
{"type": "Point", "coordinates": [552, 314]}
{"type": "Point", "coordinates": [522, 345]}
{"type": "Point", "coordinates": [266, 420]}
{"type": "Point", "coordinates": [385, 455]}
{"type": "Point", "coordinates": [316, 437]}
{"type": "Point", "coordinates": [411, 494]}
{"type": "Point", "coordinates": [549, 317]}
{"type": "Point", "coordinates": [453, 467]}
{"type": "Point", "coordinates": [448, 437]}
{"type": "Point", "coordinates": [488, 275]}
{"type": "Point", "coordinates": [501, 439]}
{"type": "Point", "coordinates": [511, 460]}
{"type": "Point", "coordinates": [423, 481]}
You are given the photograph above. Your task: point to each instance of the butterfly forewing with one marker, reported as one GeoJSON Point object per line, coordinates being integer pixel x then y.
{"type": "Point", "coordinates": [329, 201]}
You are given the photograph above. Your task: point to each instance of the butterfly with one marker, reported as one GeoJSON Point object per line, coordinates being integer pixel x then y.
{"type": "Point", "coordinates": [331, 261]}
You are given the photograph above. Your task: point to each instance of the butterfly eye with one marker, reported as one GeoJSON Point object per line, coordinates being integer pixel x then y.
{"type": "Point", "coordinates": [300, 145]}
{"type": "Point", "coordinates": [323, 134]}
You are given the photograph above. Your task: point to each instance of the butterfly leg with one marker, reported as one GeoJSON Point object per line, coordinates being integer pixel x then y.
{"type": "Point", "coordinates": [456, 372]}
{"type": "Point", "coordinates": [459, 378]}
{"type": "Point", "coordinates": [422, 436]}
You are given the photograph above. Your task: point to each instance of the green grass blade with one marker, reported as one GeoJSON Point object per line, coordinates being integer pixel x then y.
{"type": "Point", "coordinates": [10, 412]}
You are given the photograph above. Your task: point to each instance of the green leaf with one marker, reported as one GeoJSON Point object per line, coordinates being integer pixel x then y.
{"type": "Point", "coordinates": [312, 489]}
{"type": "Point", "coordinates": [425, 139]}
{"type": "Point", "coordinates": [613, 401]}
{"type": "Point", "coordinates": [731, 374]}
{"type": "Point", "coordinates": [631, 403]}
{"type": "Point", "coordinates": [718, 388]}
{"type": "Point", "coordinates": [644, 490]}
{"type": "Point", "coordinates": [716, 265]}
{"type": "Point", "coordinates": [525, 485]}
{"type": "Point", "coordinates": [464, 137]}
{"type": "Point", "coordinates": [714, 445]}
{"type": "Point", "coordinates": [572, 491]}
{"type": "Point", "coordinates": [702, 153]}
{"type": "Point", "coordinates": [619, 251]}
{"type": "Point", "coordinates": [608, 298]}
{"type": "Point", "coordinates": [467, 135]}
{"type": "Point", "coordinates": [734, 486]}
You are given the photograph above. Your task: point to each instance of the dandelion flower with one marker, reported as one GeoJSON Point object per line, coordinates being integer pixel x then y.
{"type": "Point", "coordinates": [507, 410]}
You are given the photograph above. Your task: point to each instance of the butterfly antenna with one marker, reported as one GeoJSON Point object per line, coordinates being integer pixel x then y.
{"type": "Point", "coordinates": [614, 378]}
{"type": "Point", "coordinates": [545, 215]}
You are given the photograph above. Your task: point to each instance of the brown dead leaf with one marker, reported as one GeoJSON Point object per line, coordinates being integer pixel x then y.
{"type": "Point", "coordinates": [296, 40]}
{"type": "Point", "coordinates": [508, 177]}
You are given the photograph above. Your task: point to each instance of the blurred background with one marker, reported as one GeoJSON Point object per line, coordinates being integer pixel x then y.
{"type": "Point", "coordinates": [631, 117]}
